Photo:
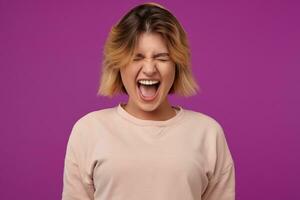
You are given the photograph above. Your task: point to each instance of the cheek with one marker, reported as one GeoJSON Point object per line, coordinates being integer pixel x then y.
{"type": "Point", "coordinates": [124, 78]}
{"type": "Point", "coordinates": [128, 77]}
{"type": "Point", "coordinates": [170, 74]}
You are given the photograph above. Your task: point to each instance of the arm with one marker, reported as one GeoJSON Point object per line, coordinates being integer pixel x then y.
{"type": "Point", "coordinates": [76, 183]}
{"type": "Point", "coordinates": [222, 187]}
{"type": "Point", "coordinates": [221, 184]}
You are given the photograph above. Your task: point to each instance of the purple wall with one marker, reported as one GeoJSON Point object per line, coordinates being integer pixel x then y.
{"type": "Point", "coordinates": [245, 57]}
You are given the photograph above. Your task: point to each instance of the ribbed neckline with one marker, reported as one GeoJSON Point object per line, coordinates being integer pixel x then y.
{"type": "Point", "coordinates": [143, 122]}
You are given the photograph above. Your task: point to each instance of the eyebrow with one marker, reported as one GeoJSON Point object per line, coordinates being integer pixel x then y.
{"type": "Point", "coordinates": [155, 55]}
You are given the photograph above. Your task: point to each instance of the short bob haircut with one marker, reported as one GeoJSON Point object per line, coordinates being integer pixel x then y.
{"type": "Point", "coordinates": [122, 39]}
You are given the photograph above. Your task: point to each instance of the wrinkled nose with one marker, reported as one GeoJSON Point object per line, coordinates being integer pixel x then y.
{"type": "Point", "coordinates": [149, 67]}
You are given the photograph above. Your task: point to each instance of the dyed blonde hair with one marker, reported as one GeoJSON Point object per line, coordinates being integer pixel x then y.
{"type": "Point", "coordinates": [121, 41]}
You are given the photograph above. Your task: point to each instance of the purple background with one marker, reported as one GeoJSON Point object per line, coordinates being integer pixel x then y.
{"type": "Point", "coordinates": [245, 56]}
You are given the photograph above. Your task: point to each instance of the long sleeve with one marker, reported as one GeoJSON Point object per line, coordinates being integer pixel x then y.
{"type": "Point", "coordinates": [223, 187]}
{"type": "Point", "coordinates": [76, 184]}
{"type": "Point", "coordinates": [222, 182]}
{"type": "Point", "coordinates": [114, 155]}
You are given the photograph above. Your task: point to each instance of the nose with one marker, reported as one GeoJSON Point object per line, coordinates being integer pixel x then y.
{"type": "Point", "coordinates": [149, 67]}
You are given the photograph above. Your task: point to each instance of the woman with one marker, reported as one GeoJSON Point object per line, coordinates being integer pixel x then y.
{"type": "Point", "coordinates": [147, 148]}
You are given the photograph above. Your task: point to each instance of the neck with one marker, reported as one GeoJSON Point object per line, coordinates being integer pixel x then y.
{"type": "Point", "coordinates": [161, 113]}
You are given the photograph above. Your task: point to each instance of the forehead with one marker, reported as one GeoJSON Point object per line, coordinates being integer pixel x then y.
{"type": "Point", "coordinates": [151, 43]}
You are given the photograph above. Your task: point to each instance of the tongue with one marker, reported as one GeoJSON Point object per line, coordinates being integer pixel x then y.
{"type": "Point", "coordinates": [148, 91]}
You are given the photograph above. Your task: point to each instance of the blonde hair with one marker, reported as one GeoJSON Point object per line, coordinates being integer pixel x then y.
{"type": "Point", "coordinates": [121, 41]}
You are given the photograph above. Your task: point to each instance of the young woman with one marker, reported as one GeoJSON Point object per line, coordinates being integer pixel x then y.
{"type": "Point", "coordinates": [147, 149]}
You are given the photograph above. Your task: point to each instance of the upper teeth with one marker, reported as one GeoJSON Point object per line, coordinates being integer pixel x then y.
{"type": "Point", "coordinates": [148, 82]}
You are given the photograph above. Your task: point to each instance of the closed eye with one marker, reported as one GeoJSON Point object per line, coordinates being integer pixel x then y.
{"type": "Point", "coordinates": [159, 59]}
{"type": "Point", "coordinates": [163, 59]}
{"type": "Point", "coordinates": [137, 59]}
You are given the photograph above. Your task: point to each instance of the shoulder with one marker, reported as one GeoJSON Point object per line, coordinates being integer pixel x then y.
{"type": "Point", "coordinates": [86, 128]}
{"type": "Point", "coordinates": [213, 132]}
{"type": "Point", "coordinates": [95, 117]}
{"type": "Point", "coordinates": [204, 124]}
{"type": "Point", "coordinates": [202, 119]}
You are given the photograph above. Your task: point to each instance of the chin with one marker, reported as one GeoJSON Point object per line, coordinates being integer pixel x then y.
{"type": "Point", "coordinates": [148, 107]}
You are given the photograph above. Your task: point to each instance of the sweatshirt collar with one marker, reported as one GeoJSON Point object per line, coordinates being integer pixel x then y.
{"type": "Point", "coordinates": [143, 122]}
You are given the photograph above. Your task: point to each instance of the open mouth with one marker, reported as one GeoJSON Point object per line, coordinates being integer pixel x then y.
{"type": "Point", "coordinates": [148, 90]}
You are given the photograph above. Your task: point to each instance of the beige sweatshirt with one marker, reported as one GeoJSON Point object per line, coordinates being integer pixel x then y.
{"type": "Point", "coordinates": [112, 155]}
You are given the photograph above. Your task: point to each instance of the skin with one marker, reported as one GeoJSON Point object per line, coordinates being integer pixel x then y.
{"type": "Point", "coordinates": [148, 64]}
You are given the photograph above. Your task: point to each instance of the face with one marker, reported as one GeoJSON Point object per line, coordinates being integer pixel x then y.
{"type": "Point", "coordinates": [149, 75]}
